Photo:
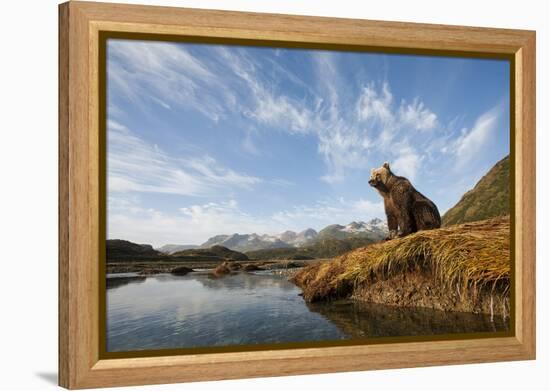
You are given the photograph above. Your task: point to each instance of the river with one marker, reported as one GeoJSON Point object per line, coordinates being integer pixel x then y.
{"type": "Point", "coordinates": [198, 310]}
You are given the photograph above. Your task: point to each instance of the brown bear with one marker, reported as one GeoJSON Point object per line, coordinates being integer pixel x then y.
{"type": "Point", "coordinates": [406, 208]}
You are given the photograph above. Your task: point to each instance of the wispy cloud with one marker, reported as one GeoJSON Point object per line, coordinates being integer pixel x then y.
{"type": "Point", "coordinates": [171, 75]}
{"type": "Point", "coordinates": [137, 166]}
{"type": "Point", "coordinates": [408, 161]}
{"type": "Point", "coordinates": [375, 105]}
{"type": "Point", "coordinates": [330, 211]}
{"type": "Point", "coordinates": [417, 116]}
{"type": "Point", "coordinates": [165, 73]}
{"type": "Point", "coordinates": [249, 146]}
{"type": "Point", "coordinates": [381, 128]}
{"type": "Point", "coordinates": [262, 103]}
{"type": "Point", "coordinates": [472, 141]}
{"type": "Point", "coordinates": [350, 142]}
{"type": "Point", "coordinates": [351, 131]}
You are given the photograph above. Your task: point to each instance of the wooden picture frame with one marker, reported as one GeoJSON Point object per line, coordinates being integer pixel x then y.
{"type": "Point", "coordinates": [80, 168]}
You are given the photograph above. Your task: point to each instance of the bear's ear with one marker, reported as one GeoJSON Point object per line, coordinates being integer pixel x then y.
{"type": "Point", "coordinates": [386, 165]}
{"type": "Point", "coordinates": [372, 171]}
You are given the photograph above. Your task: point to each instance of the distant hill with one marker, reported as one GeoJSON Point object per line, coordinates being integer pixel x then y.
{"type": "Point", "coordinates": [124, 251]}
{"type": "Point", "coordinates": [223, 253]}
{"type": "Point", "coordinates": [245, 242]}
{"type": "Point", "coordinates": [118, 249]}
{"type": "Point", "coordinates": [489, 198]}
{"type": "Point", "coordinates": [172, 248]}
{"type": "Point", "coordinates": [320, 248]}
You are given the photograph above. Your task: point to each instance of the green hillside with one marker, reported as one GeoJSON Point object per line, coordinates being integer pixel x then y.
{"type": "Point", "coordinates": [333, 231]}
{"type": "Point", "coordinates": [489, 198]}
{"type": "Point", "coordinates": [124, 251]}
{"type": "Point", "coordinates": [118, 249]}
{"type": "Point", "coordinates": [223, 253]}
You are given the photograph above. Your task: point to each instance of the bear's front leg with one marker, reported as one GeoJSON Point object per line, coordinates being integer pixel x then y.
{"type": "Point", "coordinates": [392, 234]}
{"type": "Point", "coordinates": [392, 220]}
{"type": "Point", "coordinates": [406, 224]}
{"type": "Point", "coordinates": [392, 227]}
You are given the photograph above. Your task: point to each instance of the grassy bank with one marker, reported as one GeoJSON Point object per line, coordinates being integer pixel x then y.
{"type": "Point", "coordinates": [458, 268]}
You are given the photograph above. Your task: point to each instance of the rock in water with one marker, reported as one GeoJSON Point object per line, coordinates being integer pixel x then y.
{"type": "Point", "coordinates": [181, 270]}
{"type": "Point", "coordinates": [222, 269]}
{"type": "Point", "coordinates": [251, 268]}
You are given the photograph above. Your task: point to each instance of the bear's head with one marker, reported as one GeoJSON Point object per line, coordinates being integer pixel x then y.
{"type": "Point", "coordinates": [380, 176]}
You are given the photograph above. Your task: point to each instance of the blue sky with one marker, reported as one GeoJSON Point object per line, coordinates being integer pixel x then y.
{"type": "Point", "coordinates": [217, 139]}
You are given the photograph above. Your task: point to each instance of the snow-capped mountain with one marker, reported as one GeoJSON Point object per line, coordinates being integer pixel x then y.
{"type": "Point", "coordinates": [375, 229]}
{"type": "Point", "coordinates": [298, 239]}
{"type": "Point", "coordinates": [374, 226]}
{"type": "Point", "coordinates": [245, 242]}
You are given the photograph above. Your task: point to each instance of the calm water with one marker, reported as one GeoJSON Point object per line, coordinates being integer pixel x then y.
{"type": "Point", "coordinates": [197, 310]}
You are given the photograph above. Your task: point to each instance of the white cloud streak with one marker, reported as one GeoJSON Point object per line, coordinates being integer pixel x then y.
{"type": "Point", "coordinates": [134, 165]}
{"type": "Point", "coordinates": [165, 73]}
{"type": "Point", "coordinates": [472, 141]}
{"type": "Point", "coordinates": [407, 163]}
{"type": "Point", "coordinates": [375, 105]}
{"type": "Point", "coordinates": [417, 116]}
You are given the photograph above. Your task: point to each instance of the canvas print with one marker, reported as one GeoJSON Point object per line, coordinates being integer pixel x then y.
{"type": "Point", "coordinates": [274, 197]}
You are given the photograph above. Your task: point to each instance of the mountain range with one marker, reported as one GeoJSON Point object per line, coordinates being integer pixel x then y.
{"type": "Point", "coordinates": [375, 229]}
{"type": "Point", "coordinates": [174, 248]}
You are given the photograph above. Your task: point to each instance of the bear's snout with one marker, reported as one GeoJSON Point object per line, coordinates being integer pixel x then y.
{"type": "Point", "coordinates": [372, 182]}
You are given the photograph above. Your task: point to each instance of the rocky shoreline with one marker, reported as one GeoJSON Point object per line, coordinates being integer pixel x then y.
{"type": "Point", "coordinates": [152, 267]}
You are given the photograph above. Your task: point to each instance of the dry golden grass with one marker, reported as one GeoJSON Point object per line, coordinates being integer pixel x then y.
{"type": "Point", "coordinates": [473, 254]}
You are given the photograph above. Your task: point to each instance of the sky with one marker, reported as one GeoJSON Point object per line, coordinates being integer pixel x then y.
{"type": "Point", "coordinates": [217, 139]}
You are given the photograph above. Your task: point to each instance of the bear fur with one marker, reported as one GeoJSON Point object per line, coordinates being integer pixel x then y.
{"type": "Point", "coordinates": [407, 210]}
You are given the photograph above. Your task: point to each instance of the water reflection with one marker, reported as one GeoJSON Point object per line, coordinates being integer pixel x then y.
{"type": "Point", "coordinates": [361, 320]}
{"type": "Point", "coordinates": [196, 310]}
{"type": "Point", "coordinates": [115, 282]}
{"type": "Point", "coordinates": [247, 281]}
